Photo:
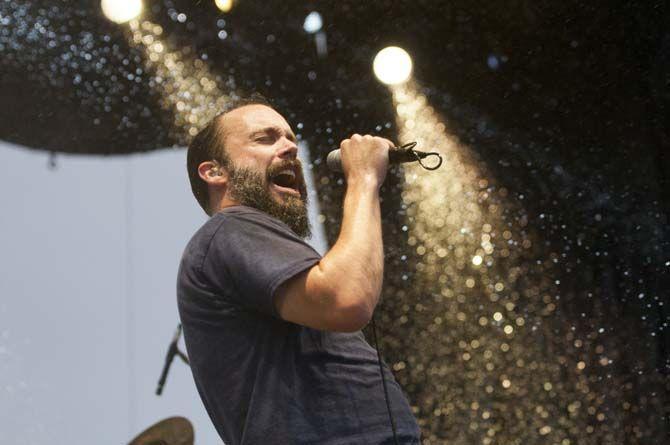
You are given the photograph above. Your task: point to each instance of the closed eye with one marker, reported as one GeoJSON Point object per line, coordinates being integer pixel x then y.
{"type": "Point", "coordinates": [267, 136]}
{"type": "Point", "coordinates": [271, 134]}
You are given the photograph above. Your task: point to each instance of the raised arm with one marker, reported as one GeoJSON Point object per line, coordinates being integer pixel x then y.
{"type": "Point", "coordinates": [341, 291]}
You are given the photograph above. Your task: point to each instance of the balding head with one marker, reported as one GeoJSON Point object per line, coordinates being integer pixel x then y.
{"type": "Point", "coordinates": [209, 144]}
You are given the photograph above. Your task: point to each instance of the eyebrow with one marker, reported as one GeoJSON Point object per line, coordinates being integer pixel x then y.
{"type": "Point", "coordinates": [276, 130]}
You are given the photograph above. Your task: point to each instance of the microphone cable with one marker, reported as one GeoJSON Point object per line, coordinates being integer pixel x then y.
{"type": "Point", "coordinates": [381, 373]}
{"type": "Point", "coordinates": [404, 153]}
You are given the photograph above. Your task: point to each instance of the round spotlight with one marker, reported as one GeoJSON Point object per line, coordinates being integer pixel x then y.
{"type": "Point", "coordinates": [224, 5]}
{"type": "Point", "coordinates": [392, 65]}
{"type": "Point", "coordinates": [120, 11]}
{"type": "Point", "coordinates": [313, 22]}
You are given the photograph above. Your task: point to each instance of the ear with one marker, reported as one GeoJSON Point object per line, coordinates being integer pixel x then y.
{"type": "Point", "coordinates": [212, 173]}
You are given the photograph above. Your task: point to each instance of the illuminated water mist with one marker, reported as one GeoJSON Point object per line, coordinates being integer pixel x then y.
{"type": "Point", "coordinates": [495, 360]}
{"type": "Point", "coordinates": [190, 91]}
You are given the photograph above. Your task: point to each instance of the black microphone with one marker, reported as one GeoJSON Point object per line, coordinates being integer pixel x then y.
{"type": "Point", "coordinates": [172, 351]}
{"type": "Point", "coordinates": [397, 155]}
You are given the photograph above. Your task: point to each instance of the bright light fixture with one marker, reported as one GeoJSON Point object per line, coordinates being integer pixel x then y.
{"type": "Point", "coordinates": [224, 5]}
{"type": "Point", "coordinates": [313, 22]}
{"type": "Point", "coordinates": [120, 11]}
{"type": "Point", "coordinates": [392, 65]}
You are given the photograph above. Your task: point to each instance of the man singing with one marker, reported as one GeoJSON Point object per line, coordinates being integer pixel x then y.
{"type": "Point", "coordinates": [272, 328]}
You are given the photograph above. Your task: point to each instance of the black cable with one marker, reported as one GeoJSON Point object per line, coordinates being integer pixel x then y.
{"type": "Point", "coordinates": [381, 373]}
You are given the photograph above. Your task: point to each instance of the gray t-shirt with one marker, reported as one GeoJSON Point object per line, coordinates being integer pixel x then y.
{"type": "Point", "coordinates": [265, 380]}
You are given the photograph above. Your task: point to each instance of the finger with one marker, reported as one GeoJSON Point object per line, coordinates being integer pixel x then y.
{"type": "Point", "coordinates": [387, 142]}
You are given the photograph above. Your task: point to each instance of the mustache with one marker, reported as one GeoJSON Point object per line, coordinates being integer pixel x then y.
{"type": "Point", "coordinates": [293, 164]}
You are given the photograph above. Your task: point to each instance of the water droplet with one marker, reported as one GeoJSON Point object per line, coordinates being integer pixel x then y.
{"type": "Point", "coordinates": [493, 62]}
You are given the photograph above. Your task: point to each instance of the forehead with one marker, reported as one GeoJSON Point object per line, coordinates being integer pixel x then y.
{"type": "Point", "coordinates": [245, 120]}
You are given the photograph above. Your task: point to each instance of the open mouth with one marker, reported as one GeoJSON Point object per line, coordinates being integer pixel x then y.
{"type": "Point", "coordinates": [286, 181]}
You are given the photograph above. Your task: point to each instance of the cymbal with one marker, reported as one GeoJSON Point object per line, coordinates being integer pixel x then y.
{"type": "Point", "coordinates": [170, 431]}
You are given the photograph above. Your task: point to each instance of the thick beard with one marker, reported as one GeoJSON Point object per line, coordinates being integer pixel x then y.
{"type": "Point", "coordinates": [251, 189]}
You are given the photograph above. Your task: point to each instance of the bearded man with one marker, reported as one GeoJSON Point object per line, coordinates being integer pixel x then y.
{"type": "Point", "coordinates": [272, 329]}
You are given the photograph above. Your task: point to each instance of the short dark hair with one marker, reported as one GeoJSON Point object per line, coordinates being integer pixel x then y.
{"type": "Point", "coordinates": [209, 144]}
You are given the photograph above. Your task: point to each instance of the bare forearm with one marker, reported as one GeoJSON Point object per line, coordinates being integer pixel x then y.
{"type": "Point", "coordinates": [340, 292]}
{"type": "Point", "coordinates": [355, 265]}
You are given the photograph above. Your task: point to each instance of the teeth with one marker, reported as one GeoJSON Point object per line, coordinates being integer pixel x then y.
{"type": "Point", "coordinates": [291, 173]}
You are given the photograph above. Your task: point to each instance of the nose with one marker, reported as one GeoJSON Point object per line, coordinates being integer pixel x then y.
{"type": "Point", "coordinates": [288, 149]}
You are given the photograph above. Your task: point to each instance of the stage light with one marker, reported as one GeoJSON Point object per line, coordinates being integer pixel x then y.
{"type": "Point", "coordinates": [392, 65]}
{"type": "Point", "coordinates": [224, 5]}
{"type": "Point", "coordinates": [313, 22]}
{"type": "Point", "coordinates": [120, 11]}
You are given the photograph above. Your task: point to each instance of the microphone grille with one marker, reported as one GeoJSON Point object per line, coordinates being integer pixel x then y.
{"type": "Point", "coordinates": [334, 161]}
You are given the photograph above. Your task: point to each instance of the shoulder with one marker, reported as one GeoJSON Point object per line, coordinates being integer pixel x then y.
{"type": "Point", "coordinates": [242, 230]}
{"type": "Point", "coordinates": [241, 227]}
{"type": "Point", "coordinates": [229, 220]}
{"type": "Point", "coordinates": [240, 222]}
{"type": "Point", "coordinates": [243, 214]}
{"type": "Point", "coordinates": [214, 235]}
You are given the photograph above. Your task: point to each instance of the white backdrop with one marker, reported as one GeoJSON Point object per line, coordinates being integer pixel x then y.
{"type": "Point", "coordinates": [89, 253]}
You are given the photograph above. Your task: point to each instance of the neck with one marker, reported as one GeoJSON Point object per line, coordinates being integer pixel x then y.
{"type": "Point", "coordinates": [221, 202]}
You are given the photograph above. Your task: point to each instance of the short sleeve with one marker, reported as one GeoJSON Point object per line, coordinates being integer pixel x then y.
{"type": "Point", "coordinates": [251, 254]}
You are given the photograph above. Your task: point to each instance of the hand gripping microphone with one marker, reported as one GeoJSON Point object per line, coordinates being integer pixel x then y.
{"type": "Point", "coordinates": [397, 155]}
